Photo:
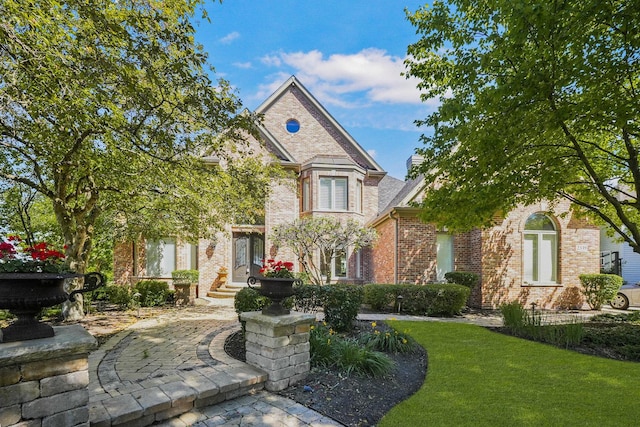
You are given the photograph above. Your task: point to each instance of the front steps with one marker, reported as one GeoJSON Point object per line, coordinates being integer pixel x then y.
{"type": "Point", "coordinates": [228, 290]}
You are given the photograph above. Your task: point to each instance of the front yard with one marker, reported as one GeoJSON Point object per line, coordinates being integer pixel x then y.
{"type": "Point", "coordinates": [483, 378]}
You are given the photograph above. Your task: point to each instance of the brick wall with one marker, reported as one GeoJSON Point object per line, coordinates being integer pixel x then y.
{"type": "Point", "coordinates": [578, 253]}
{"type": "Point", "coordinates": [383, 253]}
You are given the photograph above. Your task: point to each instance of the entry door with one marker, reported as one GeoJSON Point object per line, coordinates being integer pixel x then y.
{"type": "Point", "coordinates": [248, 253]}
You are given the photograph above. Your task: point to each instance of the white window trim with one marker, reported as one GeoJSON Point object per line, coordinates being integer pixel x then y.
{"type": "Point", "coordinates": [332, 199]}
{"type": "Point", "coordinates": [539, 236]}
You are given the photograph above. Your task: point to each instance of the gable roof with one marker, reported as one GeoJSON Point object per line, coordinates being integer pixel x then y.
{"type": "Point", "coordinates": [371, 165]}
{"type": "Point", "coordinates": [402, 199]}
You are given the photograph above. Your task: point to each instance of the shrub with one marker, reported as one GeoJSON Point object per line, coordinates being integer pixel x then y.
{"type": "Point", "coordinates": [387, 340]}
{"type": "Point", "coordinates": [248, 299]}
{"type": "Point", "coordinates": [320, 340]}
{"type": "Point", "coordinates": [308, 298]}
{"type": "Point", "coordinates": [435, 299]}
{"type": "Point", "coordinates": [464, 278]}
{"type": "Point", "coordinates": [446, 299]}
{"type": "Point", "coordinates": [381, 297]}
{"type": "Point", "coordinates": [152, 292]}
{"type": "Point", "coordinates": [351, 357]}
{"type": "Point", "coordinates": [341, 305]}
{"type": "Point", "coordinates": [185, 276]}
{"type": "Point", "coordinates": [115, 294]}
{"type": "Point", "coordinates": [600, 288]}
{"type": "Point", "coordinates": [513, 316]}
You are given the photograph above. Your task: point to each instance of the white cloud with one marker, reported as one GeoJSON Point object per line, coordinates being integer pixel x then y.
{"type": "Point", "coordinates": [333, 79]}
{"type": "Point", "coordinates": [230, 37]}
{"type": "Point", "coordinates": [243, 65]}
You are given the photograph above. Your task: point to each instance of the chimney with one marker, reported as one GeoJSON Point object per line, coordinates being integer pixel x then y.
{"type": "Point", "coordinates": [414, 160]}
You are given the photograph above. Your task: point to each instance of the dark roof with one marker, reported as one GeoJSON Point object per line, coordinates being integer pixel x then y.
{"type": "Point", "coordinates": [400, 194]}
{"type": "Point", "coordinates": [388, 189]}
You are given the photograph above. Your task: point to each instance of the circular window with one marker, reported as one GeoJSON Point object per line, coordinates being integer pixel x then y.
{"type": "Point", "coordinates": [293, 126]}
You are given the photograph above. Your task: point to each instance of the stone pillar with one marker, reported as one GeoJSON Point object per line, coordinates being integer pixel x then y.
{"type": "Point", "coordinates": [279, 345]}
{"type": "Point", "coordinates": [44, 382]}
{"type": "Point", "coordinates": [185, 293]}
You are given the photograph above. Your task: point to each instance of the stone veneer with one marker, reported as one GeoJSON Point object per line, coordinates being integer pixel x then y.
{"type": "Point", "coordinates": [44, 382]}
{"type": "Point", "coordinates": [279, 345]}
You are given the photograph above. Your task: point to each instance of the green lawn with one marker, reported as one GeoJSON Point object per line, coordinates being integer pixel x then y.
{"type": "Point", "coordinates": [476, 377]}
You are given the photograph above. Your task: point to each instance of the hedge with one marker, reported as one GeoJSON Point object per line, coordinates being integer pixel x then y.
{"type": "Point", "coordinates": [446, 299]}
{"type": "Point", "coordinates": [464, 278]}
{"type": "Point", "coordinates": [184, 276]}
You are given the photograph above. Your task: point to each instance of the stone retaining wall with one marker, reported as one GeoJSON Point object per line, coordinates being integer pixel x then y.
{"type": "Point", "coordinates": [44, 382]}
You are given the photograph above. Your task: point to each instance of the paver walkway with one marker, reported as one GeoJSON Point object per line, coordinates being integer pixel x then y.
{"type": "Point", "coordinates": [172, 370]}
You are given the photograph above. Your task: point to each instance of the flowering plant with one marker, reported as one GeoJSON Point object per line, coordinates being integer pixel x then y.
{"type": "Point", "coordinates": [273, 268]}
{"type": "Point", "coordinates": [18, 257]}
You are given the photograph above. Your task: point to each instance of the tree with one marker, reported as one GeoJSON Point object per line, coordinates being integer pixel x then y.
{"type": "Point", "coordinates": [107, 110]}
{"type": "Point", "coordinates": [538, 101]}
{"type": "Point", "coordinates": [317, 241]}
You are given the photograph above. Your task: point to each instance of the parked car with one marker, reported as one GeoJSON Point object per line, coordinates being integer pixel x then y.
{"type": "Point", "coordinates": [627, 295]}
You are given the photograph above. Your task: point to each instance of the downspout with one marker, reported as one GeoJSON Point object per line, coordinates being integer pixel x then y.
{"type": "Point", "coordinates": [395, 247]}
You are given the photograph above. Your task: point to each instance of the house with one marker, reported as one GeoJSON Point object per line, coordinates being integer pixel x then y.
{"type": "Point", "coordinates": [535, 253]}
{"type": "Point", "coordinates": [332, 176]}
{"type": "Point", "coordinates": [619, 258]}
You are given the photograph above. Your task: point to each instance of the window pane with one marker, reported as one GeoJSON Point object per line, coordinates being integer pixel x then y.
{"type": "Point", "coordinates": [340, 194]}
{"type": "Point", "coordinates": [539, 221]}
{"type": "Point", "coordinates": [547, 263]}
{"type": "Point", "coordinates": [530, 257]}
{"type": "Point", "coordinates": [191, 258]}
{"type": "Point", "coordinates": [161, 257]}
{"type": "Point", "coordinates": [325, 193]}
{"type": "Point", "coordinates": [444, 255]}
{"type": "Point", "coordinates": [305, 195]}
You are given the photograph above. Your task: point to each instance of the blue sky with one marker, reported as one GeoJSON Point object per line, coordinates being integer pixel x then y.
{"type": "Point", "coordinates": [348, 53]}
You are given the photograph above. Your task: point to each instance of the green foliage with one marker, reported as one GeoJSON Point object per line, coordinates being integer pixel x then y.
{"type": "Point", "coordinates": [531, 325]}
{"type": "Point", "coordinates": [536, 102]}
{"type": "Point", "coordinates": [599, 289]}
{"type": "Point", "coordinates": [632, 316]}
{"type": "Point", "coordinates": [381, 297]}
{"type": "Point", "coordinates": [330, 349]}
{"type": "Point", "coordinates": [117, 108]}
{"type": "Point", "coordinates": [188, 276]}
{"type": "Point", "coordinates": [152, 292]}
{"type": "Point", "coordinates": [446, 299]}
{"type": "Point", "coordinates": [388, 340]}
{"type": "Point", "coordinates": [351, 357]}
{"type": "Point", "coordinates": [513, 316]}
{"type": "Point", "coordinates": [341, 305]}
{"type": "Point", "coordinates": [248, 299]}
{"type": "Point", "coordinates": [324, 235]}
{"type": "Point", "coordinates": [120, 295]}
{"type": "Point", "coordinates": [464, 278]}
{"type": "Point", "coordinates": [320, 339]}
{"type": "Point", "coordinates": [308, 298]}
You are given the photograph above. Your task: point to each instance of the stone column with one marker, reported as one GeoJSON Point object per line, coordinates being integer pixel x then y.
{"type": "Point", "coordinates": [44, 382]}
{"type": "Point", "coordinates": [279, 345]}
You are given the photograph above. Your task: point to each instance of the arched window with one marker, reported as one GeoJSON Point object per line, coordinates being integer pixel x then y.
{"type": "Point", "coordinates": [540, 252]}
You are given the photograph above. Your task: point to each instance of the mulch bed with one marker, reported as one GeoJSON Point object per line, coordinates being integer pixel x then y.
{"type": "Point", "coordinates": [352, 400]}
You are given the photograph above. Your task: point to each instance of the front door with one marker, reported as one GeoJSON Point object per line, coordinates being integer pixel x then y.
{"type": "Point", "coordinates": [248, 253]}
